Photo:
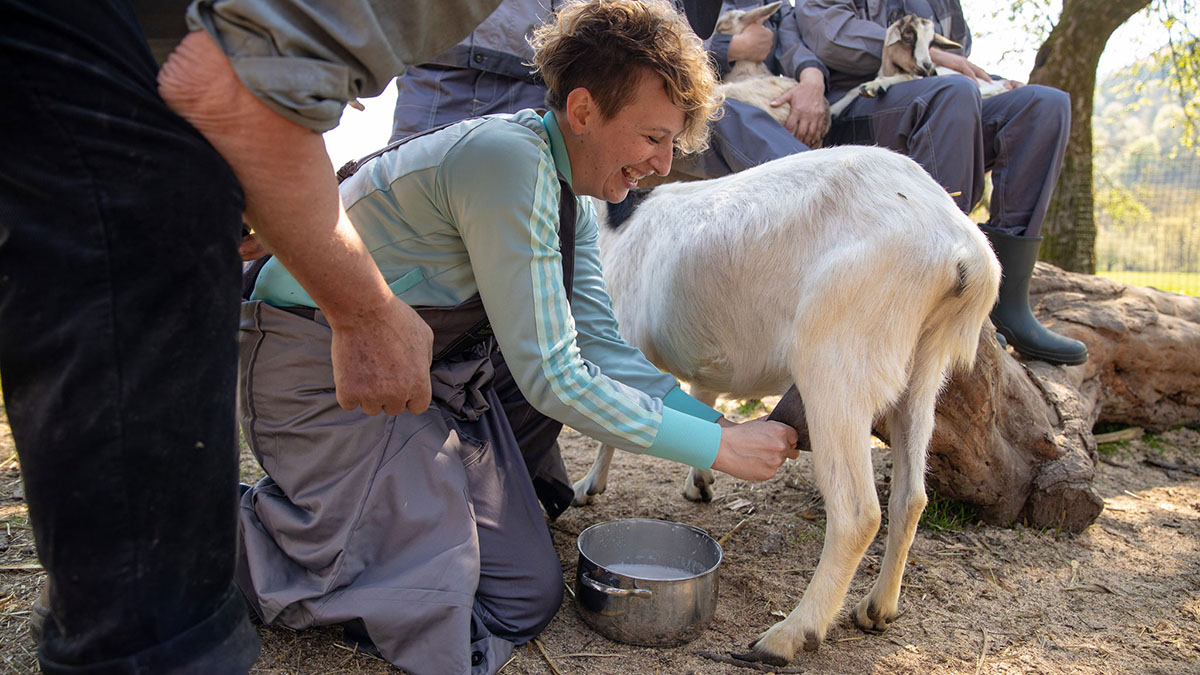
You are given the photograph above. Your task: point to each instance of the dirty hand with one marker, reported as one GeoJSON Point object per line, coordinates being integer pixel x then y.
{"type": "Point", "coordinates": [755, 450]}
{"type": "Point", "coordinates": [958, 63]}
{"type": "Point", "coordinates": [381, 361]}
{"type": "Point", "coordinates": [808, 117]}
{"type": "Point", "coordinates": [752, 44]}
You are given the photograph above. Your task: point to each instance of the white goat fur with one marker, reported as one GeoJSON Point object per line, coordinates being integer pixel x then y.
{"type": "Point", "coordinates": [903, 62]}
{"type": "Point", "coordinates": [750, 81]}
{"type": "Point", "coordinates": [847, 271]}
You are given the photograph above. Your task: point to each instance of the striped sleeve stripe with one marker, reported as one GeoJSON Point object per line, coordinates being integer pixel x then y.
{"type": "Point", "coordinates": [596, 399]}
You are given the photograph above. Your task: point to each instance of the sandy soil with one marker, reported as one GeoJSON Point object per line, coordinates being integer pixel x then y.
{"type": "Point", "coordinates": [1122, 597]}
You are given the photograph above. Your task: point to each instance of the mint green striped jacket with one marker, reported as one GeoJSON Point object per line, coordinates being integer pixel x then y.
{"type": "Point", "coordinates": [474, 209]}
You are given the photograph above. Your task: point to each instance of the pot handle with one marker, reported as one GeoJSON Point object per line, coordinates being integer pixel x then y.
{"type": "Point", "coordinates": [611, 590]}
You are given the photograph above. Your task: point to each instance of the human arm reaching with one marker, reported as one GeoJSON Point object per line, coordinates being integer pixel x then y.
{"type": "Point", "coordinates": [381, 348]}
{"type": "Point", "coordinates": [958, 63]}
{"type": "Point", "coordinates": [754, 450]}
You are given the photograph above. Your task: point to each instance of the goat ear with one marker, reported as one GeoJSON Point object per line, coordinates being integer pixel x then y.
{"type": "Point", "coordinates": [760, 13]}
{"type": "Point", "coordinates": [895, 15]}
{"type": "Point", "coordinates": [944, 42]}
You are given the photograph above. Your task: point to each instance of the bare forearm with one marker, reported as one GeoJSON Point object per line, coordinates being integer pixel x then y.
{"type": "Point", "coordinates": [291, 194]}
{"type": "Point", "coordinates": [380, 347]}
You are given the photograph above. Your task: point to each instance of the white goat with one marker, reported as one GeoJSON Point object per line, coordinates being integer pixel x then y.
{"type": "Point", "coordinates": [750, 81]}
{"type": "Point", "coordinates": [906, 57]}
{"type": "Point", "coordinates": [848, 272]}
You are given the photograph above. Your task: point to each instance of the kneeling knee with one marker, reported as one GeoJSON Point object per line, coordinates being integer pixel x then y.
{"type": "Point", "coordinates": [524, 605]}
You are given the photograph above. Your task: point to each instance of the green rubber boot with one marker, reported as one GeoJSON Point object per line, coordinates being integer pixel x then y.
{"type": "Point", "coordinates": [1012, 316]}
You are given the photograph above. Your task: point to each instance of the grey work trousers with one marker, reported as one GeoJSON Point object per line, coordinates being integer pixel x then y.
{"type": "Point", "coordinates": [744, 137]}
{"type": "Point", "coordinates": [944, 125]}
{"type": "Point", "coordinates": [423, 527]}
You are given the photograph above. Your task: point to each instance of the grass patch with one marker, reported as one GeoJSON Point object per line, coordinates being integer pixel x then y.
{"type": "Point", "coordinates": [945, 515]}
{"type": "Point", "coordinates": [1187, 283]}
{"type": "Point", "coordinates": [809, 532]}
{"type": "Point", "coordinates": [750, 406]}
{"type": "Point", "coordinates": [1114, 449]}
{"type": "Point", "coordinates": [1159, 444]}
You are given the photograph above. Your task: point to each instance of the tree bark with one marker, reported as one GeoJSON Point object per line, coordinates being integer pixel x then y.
{"type": "Point", "coordinates": [1067, 61]}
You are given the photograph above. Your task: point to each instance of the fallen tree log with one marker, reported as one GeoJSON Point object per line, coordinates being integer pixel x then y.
{"type": "Point", "coordinates": [1013, 437]}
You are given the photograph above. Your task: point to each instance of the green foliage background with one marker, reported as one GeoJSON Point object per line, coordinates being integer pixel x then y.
{"type": "Point", "coordinates": [1147, 171]}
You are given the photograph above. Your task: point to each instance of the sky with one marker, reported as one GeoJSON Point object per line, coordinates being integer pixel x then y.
{"type": "Point", "coordinates": [1000, 47]}
{"type": "Point", "coordinates": [1004, 48]}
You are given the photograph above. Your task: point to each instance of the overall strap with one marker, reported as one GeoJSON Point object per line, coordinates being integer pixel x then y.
{"type": "Point", "coordinates": [458, 328]}
{"type": "Point", "coordinates": [350, 168]}
{"type": "Point", "coordinates": [566, 234]}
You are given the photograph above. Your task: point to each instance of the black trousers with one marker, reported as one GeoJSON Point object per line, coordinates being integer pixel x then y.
{"type": "Point", "coordinates": [119, 291]}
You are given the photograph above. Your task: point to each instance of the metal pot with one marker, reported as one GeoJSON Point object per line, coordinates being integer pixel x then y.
{"type": "Point", "coordinates": [647, 582]}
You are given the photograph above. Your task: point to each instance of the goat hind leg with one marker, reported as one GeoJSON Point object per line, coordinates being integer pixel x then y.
{"type": "Point", "coordinates": [698, 485]}
{"type": "Point", "coordinates": [596, 480]}
{"type": "Point", "coordinates": [910, 427]}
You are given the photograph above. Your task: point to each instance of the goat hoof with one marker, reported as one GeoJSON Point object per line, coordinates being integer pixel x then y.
{"type": "Point", "coordinates": [812, 641]}
{"type": "Point", "coordinates": [585, 498]}
{"type": "Point", "coordinates": [756, 655]}
{"type": "Point", "coordinates": [869, 628]}
{"type": "Point", "coordinates": [871, 619]}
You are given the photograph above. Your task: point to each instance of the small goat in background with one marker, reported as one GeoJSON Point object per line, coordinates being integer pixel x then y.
{"type": "Point", "coordinates": [906, 57]}
{"type": "Point", "coordinates": [750, 81]}
{"type": "Point", "coordinates": [848, 272]}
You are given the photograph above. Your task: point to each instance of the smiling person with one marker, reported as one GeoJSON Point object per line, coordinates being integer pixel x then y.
{"type": "Point", "coordinates": [422, 533]}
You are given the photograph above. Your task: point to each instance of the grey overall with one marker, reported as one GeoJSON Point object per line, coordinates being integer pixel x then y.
{"type": "Point", "coordinates": [424, 531]}
{"type": "Point", "coordinates": [941, 122]}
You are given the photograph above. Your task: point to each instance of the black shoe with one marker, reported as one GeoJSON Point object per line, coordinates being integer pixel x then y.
{"type": "Point", "coordinates": [1012, 316]}
{"type": "Point", "coordinates": [354, 635]}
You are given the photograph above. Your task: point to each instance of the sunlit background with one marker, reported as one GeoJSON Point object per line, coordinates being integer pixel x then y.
{"type": "Point", "coordinates": [1146, 187]}
{"type": "Point", "coordinates": [1001, 47]}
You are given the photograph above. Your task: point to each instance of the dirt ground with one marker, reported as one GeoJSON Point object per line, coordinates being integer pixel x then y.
{"type": "Point", "coordinates": [1122, 597]}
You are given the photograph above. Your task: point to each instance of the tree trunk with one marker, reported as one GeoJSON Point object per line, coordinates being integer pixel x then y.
{"type": "Point", "coordinates": [1067, 61]}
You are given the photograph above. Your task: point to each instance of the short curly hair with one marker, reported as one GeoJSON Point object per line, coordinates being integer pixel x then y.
{"type": "Point", "coordinates": [605, 46]}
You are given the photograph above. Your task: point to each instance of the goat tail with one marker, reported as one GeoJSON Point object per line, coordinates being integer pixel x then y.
{"type": "Point", "coordinates": [960, 317]}
{"type": "Point", "coordinates": [949, 340]}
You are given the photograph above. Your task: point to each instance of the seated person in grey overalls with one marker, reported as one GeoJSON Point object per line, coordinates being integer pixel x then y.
{"type": "Point", "coordinates": [424, 532]}
{"type": "Point", "coordinates": [944, 124]}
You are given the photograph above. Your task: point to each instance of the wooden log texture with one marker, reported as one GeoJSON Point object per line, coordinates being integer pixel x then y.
{"type": "Point", "coordinates": [1143, 367]}
{"type": "Point", "coordinates": [1013, 436]}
